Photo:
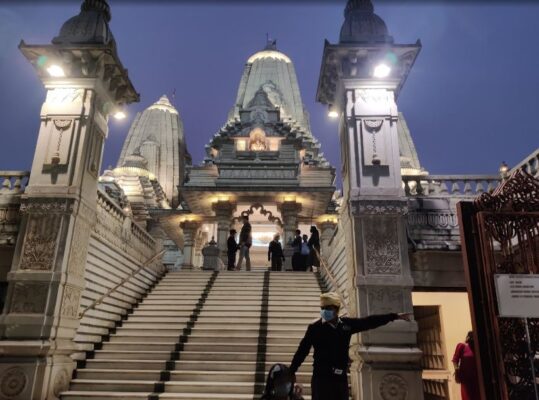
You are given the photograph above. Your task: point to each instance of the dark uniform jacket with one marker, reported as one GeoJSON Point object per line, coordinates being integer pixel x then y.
{"type": "Point", "coordinates": [331, 342]}
{"type": "Point", "coordinates": [275, 250]}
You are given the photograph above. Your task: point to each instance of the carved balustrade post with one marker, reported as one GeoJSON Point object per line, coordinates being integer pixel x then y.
{"type": "Point", "coordinates": [327, 231]}
{"type": "Point", "coordinates": [85, 81]}
{"type": "Point", "coordinates": [190, 230]}
{"type": "Point", "coordinates": [223, 211]}
{"type": "Point", "coordinates": [361, 77]}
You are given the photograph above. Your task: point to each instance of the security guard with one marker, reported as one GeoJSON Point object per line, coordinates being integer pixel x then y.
{"type": "Point", "coordinates": [330, 336]}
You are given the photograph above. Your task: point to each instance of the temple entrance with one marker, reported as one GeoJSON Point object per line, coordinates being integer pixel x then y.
{"type": "Point", "coordinates": [265, 222]}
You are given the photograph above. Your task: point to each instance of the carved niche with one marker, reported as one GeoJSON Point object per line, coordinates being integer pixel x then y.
{"type": "Point", "coordinates": [29, 298]}
{"type": "Point", "coordinates": [393, 387]}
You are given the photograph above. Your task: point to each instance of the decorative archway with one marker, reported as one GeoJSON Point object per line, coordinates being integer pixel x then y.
{"type": "Point", "coordinates": [263, 211]}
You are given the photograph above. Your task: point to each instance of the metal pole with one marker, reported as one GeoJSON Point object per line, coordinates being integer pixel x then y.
{"type": "Point", "coordinates": [531, 354]}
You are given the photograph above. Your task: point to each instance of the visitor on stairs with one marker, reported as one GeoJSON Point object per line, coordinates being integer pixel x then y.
{"type": "Point", "coordinates": [232, 248]}
{"type": "Point", "coordinates": [275, 254]}
{"type": "Point", "coordinates": [305, 251]}
{"type": "Point", "coordinates": [245, 243]}
{"type": "Point", "coordinates": [280, 384]}
{"type": "Point", "coordinates": [296, 257]}
{"type": "Point", "coordinates": [330, 337]}
{"type": "Point", "coordinates": [314, 245]}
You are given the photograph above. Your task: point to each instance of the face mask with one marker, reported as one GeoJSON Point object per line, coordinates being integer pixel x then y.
{"type": "Point", "coordinates": [327, 315]}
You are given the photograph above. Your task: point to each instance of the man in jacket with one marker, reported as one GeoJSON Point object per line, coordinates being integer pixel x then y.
{"type": "Point", "coordinates": [245, 244]}
{"type": "Point", "coordinates": [330, 337]}
{"type": "Point", "coordinates": [275, 254]}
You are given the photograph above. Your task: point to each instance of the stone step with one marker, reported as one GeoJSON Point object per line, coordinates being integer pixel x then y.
{"type": "Point", "coordinates": [103, 363]}
{"type": "Point", "coordinates": [131, 355]}
{"type": "Point", "coordinates": [112, 385]}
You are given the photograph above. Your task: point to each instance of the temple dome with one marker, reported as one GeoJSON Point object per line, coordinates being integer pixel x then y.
{"type": "Point", "coordinates": [135, 160]}
{"type": "Point", "coordinates": [362, 25]}
{"type": "Point", "coordinates": [90, 26]}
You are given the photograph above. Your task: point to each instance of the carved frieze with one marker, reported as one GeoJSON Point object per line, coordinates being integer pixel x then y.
{"type": "Point", "coordinates": [257, 174]}
{"type": "Point", "coordinates": [79, 249]}
{"type": "Point", "coordinates": [70, 301]}
{"type": "Point", "coordinates": [29, 298]}
{"type": "Point", "coordinates": [382, 207]}
{"type": "Point", "coordinates": [40, 242]}
{"type": "Point", "coordinates": [47, 206]}
{"type": "Point", "coordinates": [13, 382]}
{"type": "Point", "coordinates": [382, 248]}
{"type": "Point", "coordinates": [393, 387]}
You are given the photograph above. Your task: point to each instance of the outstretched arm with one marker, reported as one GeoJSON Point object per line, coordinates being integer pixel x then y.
{"type": "Point", "coordinates": [302, 351]}
{"type": "Point", "coordinates": [375, 321]}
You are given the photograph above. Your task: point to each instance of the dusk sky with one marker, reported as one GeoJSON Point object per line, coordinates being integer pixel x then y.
{"type": "Point", "coordinates": [470, 100]}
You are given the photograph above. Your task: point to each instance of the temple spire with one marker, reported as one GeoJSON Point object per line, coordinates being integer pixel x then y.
{"type": "Point", "coordinates": [97, 5]}
{"type": "Point", "coordinates": [359, 5]}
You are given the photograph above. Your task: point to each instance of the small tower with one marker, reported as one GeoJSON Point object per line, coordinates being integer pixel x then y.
{"type": "Point", "coordinates": [360, 80]}
{"type": "Point", "coordinates": [158, 134]}
{"type": "Point", "coordinates": [85, 82]}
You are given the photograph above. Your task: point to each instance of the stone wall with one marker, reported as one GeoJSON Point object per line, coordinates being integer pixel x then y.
{"type": "Point", "coordinates": [118, 248]}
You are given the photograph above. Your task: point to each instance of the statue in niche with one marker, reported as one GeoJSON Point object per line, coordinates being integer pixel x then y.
{"type": "Point", "coordinates": [258, 140]}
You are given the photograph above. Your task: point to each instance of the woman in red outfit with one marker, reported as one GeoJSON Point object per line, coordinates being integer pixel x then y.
{"type": "Point", "coordinates": [466, 370]}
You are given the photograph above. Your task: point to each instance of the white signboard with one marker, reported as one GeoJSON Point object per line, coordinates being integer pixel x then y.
{"type": "Point", "coordinates": [518, 295]}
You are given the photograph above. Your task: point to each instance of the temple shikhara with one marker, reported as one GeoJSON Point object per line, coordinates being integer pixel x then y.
{"type": "Point", "coordinates": [114, 283]}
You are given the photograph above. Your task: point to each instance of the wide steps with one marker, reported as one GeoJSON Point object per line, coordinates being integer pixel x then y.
{"type": "Point", "coordinates": [218, 357]}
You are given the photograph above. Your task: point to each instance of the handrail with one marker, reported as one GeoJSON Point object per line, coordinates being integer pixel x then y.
{"type": "Point", "coordinates": [100, 299]}
{"type": "Point", "coordinates": [333, 281]}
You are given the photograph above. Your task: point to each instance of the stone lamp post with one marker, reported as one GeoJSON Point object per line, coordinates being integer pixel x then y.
{"type": "Point", "coordinates": [85, 83]}
{"type": "Point", "coordinates": [360, 80]}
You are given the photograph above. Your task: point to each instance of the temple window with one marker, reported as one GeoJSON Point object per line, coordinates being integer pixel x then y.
{"type": "Point", "coordinates": [241, 145]}
{"type": "Point", "coordinates": [274, 144]}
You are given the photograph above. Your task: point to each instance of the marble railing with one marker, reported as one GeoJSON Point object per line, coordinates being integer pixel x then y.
{"type": "Point", "coordinates": [13, 182]}
{"type": "Point", "coordinates": [530, 164]}
{"type": "Point", "coordinates": [449, 185]}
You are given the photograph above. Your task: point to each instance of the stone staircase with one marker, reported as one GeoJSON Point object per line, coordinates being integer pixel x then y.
{"type": "Point", "coordinates": [203, 335]}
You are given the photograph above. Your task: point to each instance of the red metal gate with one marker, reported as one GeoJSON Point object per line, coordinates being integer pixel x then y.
{"type": "Point", "coordinates": [500, 235]}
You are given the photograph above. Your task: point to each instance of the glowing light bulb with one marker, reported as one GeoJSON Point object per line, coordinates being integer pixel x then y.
{"type": "Point", "coordinates": [119, 115]}
{"type": "Point", "coordinates": [381, 71]}
{"type": "Point", "coordinates": [56, 71]}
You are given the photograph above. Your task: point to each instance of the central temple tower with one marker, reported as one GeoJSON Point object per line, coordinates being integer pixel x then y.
{"type": "Point", "coordinates": [264, 158]}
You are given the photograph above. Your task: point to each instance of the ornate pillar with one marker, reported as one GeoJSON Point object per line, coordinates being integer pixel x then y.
{"type": "Point", "coordinates": [289, 212]}
{"type": "Point", "coordinates": [361, 78]}
{"type": "Point", "coordinates": [59, 207]}
{"type": "Point", "coordinates": [223, 211]}
{"type": "Point", "coordinates": [190, 230]}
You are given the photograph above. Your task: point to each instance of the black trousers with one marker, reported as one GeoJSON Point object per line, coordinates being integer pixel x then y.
{"type": "Point", "coordinates": [329, 387]}
{"type": "Point", "coordinates": [296, 262]}
{"type": "Point", "coordinates": [231, 261]}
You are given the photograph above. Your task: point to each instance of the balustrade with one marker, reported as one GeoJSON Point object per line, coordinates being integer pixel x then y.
{"type": "Point", "coordinates": [13, 182]}
{"type": "Point", "coordinates": [449, 185]}
{"type": "Point", "coordinates": [530, 164]}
